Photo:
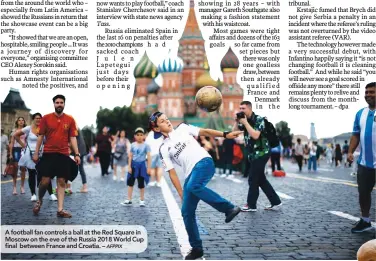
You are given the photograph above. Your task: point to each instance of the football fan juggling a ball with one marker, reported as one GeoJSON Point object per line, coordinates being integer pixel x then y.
{"type": "Point", "coordinates": [179, 148]}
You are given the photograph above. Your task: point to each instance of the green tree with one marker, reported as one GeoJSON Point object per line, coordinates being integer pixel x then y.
{"type": "Point", "coordinates": [121, 118]}
{"type": "Point", "coordinates": [88, 133]}
{"type": "Point", "coordinates": [283, 133]}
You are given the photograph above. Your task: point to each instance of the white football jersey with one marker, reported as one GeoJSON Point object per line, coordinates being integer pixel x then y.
{"type": "Point", "coordinates": [181, 149]}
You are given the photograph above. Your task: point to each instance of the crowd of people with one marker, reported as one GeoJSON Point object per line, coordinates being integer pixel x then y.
{"type": "Point", "coordinates": [53, 147]}
{"type": "Point", "coordinates": [312, 153]}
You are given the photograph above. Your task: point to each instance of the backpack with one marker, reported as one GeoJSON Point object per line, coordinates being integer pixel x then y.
{"type": "Point", "coordinates": [238, 154]}
{"type": "Point", "coordinates": [345, 149]}
{"type": "Point", "coordinates": [271, 134]}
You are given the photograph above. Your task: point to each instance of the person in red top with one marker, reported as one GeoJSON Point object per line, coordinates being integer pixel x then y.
{"type": "Point", "coordinates": [58, 129]}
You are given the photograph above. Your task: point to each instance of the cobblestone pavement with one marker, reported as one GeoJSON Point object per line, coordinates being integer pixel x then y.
{"type": "Point", "coordinates": [308, 225]}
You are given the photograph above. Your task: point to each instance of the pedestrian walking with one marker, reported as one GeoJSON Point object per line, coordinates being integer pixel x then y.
{"type": "Point", "coordinates": [4, 150]}
{"type": "Point", "coordinates": [312, 161]}
{"type": "Point", "coordinates": [364, 133]}
{"type": "Point", "coordinates": [179, 148]}
{"type": "Point", "coordinates": [31, 136]}
{"type": "Point", "coordinates": [227, 157]}
{"type": "Point", "coordinates": [345, 151]}
{"type": "Point", "coordinates": [103, 149]}
{"type": "Point", "coordinates": [138, 167]}
{"type": "Point", "coordinates": [299, 152]}
{"type": "Point", "coordinates": [122, 147]}
{"type": "Point", "coordinates": [83, 152]}
{"type": "Point", "coordinates": [276, 157]}
{"type": "Point", "coordinates": [306, 154]}
{"type": "Point", "coordinates": [329, 154]}
{"type": "Point", "coordinates": [59, 129]}
{"type": "Point", "coordinates": [15, 151]}
{"type": "Point", "coordinates": [338, 155]}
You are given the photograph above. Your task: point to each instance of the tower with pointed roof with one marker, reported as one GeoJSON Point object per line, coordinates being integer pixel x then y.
{"type": "Point", "coordinates": [170, 98]}
{"type": "Point", "coordinates": [232, 93]}
{"type": "Point", "coordinates": [144, 72]}
{"type": "Point", "coordinates": [12, 108]}
{"type": "Point", "coordinates": [192, 51]}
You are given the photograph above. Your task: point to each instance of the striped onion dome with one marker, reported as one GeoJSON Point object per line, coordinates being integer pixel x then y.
{"type": "Point", "coordinates": [230, 61]}
{"type": "Point", "coordinates": [153, 87]}
{"type": "Point", "coordinates": [172, 64]}
{"type": "Point", "coordinates": [145, 68]}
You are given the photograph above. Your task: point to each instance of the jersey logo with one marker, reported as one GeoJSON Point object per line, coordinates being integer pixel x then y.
{"type": "Point", "coordinates": [66, 126]}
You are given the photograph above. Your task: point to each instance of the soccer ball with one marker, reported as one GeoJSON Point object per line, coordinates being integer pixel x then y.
{"type": "Point", "coordinates": [209, 98]}
{"type": "Point", "coordinates": [367, 251]}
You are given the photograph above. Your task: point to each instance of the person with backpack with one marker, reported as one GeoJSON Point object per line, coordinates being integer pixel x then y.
{"type": "Point", "coordinates": [259, 137]}
{"type": "Point", "coordinates": [345, 150]}
{"type": "Point", "coordinates": [83, 152]}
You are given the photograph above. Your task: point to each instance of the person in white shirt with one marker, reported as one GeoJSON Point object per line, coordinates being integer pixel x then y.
{"type": "Point", "coordinates": [179, 148]}
{"type": "Point", "coordinates": [26, 161]}
{"type": "Point", "coordinates": [156, 163]}
{"type": "Point", "coordinates": [312, 156]}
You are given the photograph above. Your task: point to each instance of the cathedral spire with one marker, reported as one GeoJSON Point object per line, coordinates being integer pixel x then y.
{"type": "Point", "coordinates": [191, 30]}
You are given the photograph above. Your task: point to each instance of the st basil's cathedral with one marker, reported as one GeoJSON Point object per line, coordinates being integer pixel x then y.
{"type": "Point", "coordinates": [183, 77]}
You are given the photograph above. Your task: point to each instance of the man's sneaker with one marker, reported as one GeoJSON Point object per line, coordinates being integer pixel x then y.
{"type": "Point", "coordinates": [33, 198]}
{"type": "Point", "coordinates": [233, 213]}
{"type": "Point", "coordinates": [194, 254]}
{"type": "Point", "coordinates": [53, 197]}
{"type": "Point", "coordinates": [159, 184]}
{"type": "Point", "coordinates": [246, 208]}
{"type": "Point", "coordinates": [361, 226]}
{"type": "Point", "coordinates": [273, 207]}
{"type": "Point", "coordinates": [142, 203]}
{"type": "Point", "coordinates": [126, 202]}
{"type": "Point", "coordinates": [114, 178]}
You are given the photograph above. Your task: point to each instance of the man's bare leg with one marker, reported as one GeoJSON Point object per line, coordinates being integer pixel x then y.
{"type": "Point", "coordinates": [60, 193]}
{"type": "Point", "coordinates": [60, 199]}
{"type": "Point", "coordinates": [41, 192]}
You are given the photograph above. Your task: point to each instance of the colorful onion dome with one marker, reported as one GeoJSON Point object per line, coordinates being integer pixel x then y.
{"type": "Point", "coordinates": [145, 68]}
{"type": "Point", "coordinates": [229, 61]}
{"type": "Point", "coordinates": [153, 87]}
{"type": "Point", "coordinates": [172, 64]}
{"type": "Point", "coordinates": [205, 80]}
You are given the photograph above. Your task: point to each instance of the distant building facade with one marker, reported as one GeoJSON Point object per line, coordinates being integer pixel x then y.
{"type": "Point", "coordinates": [12, 108]}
